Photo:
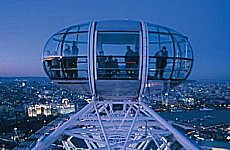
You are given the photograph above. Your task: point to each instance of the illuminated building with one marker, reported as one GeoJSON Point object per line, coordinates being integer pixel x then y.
{"type": "Point", "coordinates": [39, 109]}
{"type": "Point", "coordinates": [65, 107]}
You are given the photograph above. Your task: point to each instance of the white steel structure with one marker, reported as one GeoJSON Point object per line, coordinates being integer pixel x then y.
{"type": "Point", "coordinates": [133, 126]}
{"type": "Point", "coordinates": [116, 62]}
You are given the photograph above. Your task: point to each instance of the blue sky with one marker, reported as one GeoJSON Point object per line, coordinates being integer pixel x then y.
{"type": "Point", "coordinates": [26, 25]}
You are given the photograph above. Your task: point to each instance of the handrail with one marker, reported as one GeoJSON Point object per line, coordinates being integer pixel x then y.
{"type": "Point", "coordinates": [63, 67]}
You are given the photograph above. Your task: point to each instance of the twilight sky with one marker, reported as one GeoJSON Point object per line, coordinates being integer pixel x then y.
{"type": "Point", "coordinates": [26, 25]}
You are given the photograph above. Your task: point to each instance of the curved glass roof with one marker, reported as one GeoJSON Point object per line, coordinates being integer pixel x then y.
{"type": "Point", "coordinates": [161, 29]}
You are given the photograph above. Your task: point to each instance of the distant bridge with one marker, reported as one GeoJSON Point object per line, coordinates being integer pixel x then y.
{"type": "Point", "coordinates": [186, 127]}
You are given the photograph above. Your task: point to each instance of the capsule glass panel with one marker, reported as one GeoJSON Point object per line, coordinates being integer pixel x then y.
{"type": "Point", "coordinates": [160, 56]}
{"type": "Point", "coordinates": [118, 55]}
{"type": "Point", "coordinates": [65, 58]}
{"type": "Point", "coordinates": [51, 57]}
{"type": "Point", "coordinates": [181, 68]}
{"type": "Point", "coordinates": [183, 57]}
{"type": "Point", "coordinates": [75, 55]}
{"type": "Point", "coordinates": [118, 58]}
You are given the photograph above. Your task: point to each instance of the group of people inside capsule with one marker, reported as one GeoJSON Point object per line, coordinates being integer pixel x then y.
{"type": "Point", "coordinates": [108, 66]}
{"type": "Point", "coordinates": [70, 59]}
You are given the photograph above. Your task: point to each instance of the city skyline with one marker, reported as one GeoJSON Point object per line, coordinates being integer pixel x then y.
{"type": "Point", "coordinates": [26, 26]}
{"type": "Point", "coordinates": [29, 106]}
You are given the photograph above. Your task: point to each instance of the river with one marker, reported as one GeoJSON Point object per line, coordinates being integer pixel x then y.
{"type": "Point", "coordinates": [205, 118]}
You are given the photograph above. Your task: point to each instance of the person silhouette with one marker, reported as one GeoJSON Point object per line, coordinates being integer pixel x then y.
{"type": "Point", "coordinates": [75, 49]}
{"type": "Point", "coordinates": [129, 61]}
{"type": "Point", "coordinates": [67, 51]}
{"type": "Point", "coordinates": [116, 67]}
{"type": "Point", "coordinates": [110, 65]}
{"type": "Point", "coordinates": [67, 60]}
{"type": "Point", "coordinates": [136, 60]}
{"type": "Point", "coordinates": [74, 59]}
{"type": "Point", "coordinates": [101, 59]}
{"type": "Point", "coordinates": [161, 61]}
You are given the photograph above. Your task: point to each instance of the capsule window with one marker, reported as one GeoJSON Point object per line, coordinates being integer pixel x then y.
{"type": "Point", "coordinates": [118, 55]}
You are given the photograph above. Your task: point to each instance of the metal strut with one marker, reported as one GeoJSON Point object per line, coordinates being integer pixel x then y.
{"type": "Point", "coordinates": [123, 125]}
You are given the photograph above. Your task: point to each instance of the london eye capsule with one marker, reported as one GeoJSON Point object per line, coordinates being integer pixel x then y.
{"type": "Point", "coordinates": [117, 58]}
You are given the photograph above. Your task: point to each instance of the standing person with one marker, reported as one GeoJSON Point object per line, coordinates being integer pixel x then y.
{"type": "Point", "coordinates": [75, 51]}
{"type": "Point", "coordinates": [116, 67]}
{"type": "Point", "coordinates": [110, 65]}
{"type": "Point", "coordinates": [136, 60]}
{"type": "Point", "coordinates": [67, 60]}
{"type": "Point", "coordinates": [67, 51]}
{"type": "Point", "coordinates": [129, 61]}
{"type": "Point", "coordinates": [161, 61]}
{"type": "Point", "coordinates": [101, 59]}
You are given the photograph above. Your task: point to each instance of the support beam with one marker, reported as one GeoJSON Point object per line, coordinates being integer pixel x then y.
{"type": "Point", "coordinates": [180, 138]}
{"type": "Point", "coordinates": [102, 127]}
{"type": "Point", "coordinates": [116, 129]}
{"type": "Point", "coordinates": [131, 128]}
{"type": "Point", "coordinates": [59, 131]}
